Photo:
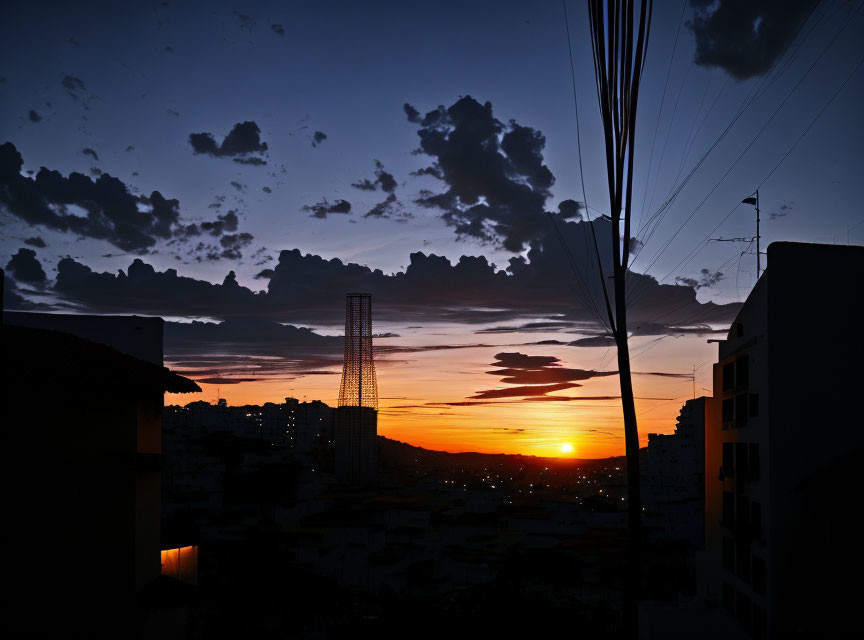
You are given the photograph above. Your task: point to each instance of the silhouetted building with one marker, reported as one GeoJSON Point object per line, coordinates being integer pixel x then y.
{"type": "Point", "coordinates": [356, 418]}
{"type": "Point", "coordinates": [783, 441]}
{"type": "Point", "coordinates": [673, 473]}
{"type": "Point", "coordinates": [82, 470]}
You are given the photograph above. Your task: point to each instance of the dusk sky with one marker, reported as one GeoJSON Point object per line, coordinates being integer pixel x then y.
{"type": "Point", "coordinates": [301, 147]}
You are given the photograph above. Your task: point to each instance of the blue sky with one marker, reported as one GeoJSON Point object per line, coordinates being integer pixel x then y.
{"type": "Point", "coordinates": [347, 68]}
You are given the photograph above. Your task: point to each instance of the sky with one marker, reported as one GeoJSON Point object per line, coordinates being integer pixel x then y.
{"type": "Point", "coordinates": [237, 167]}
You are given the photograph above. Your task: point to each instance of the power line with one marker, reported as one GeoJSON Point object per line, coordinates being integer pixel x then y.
{"type": "Point", "coordinates": [758, 134]}
{"type": "Point", "coordinates": [748, 101]}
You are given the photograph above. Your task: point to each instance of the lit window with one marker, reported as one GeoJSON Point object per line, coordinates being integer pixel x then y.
{"type": "Point", "coordinates": [181, 563]}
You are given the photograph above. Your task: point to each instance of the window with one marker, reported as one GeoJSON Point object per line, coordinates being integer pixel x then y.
{"type": "Point", "coordinates": [753, 460]}
{"type": "Point", "coordinates": [728, 459]}
{"type": "Point", "coordinates": [728, 509]}
{"type": "Point", "coordinates": [729, 554]}
{"type": "Point", "coordinates": [754, 405]}
{"type": "Point", "coordinates": [742, 372]}
{"type": "Point", "coordinates": [728, 376]}
{"type": "Point", "coordinates": [759, 575]}
{"type": "Point", "coordinates": [741, 409]}
{"type": "Point", "coordinates": [728, 411]}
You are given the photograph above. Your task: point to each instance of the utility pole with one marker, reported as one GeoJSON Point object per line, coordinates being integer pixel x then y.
{"type": "Point", "coordinates": [758, 253]}
{"type": "Point", "coordinates": [755, 203]}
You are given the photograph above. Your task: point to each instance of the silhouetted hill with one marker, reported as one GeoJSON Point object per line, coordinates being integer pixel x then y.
{"type": "Point", "coordinates": [397, 451]}
{"type": "Point", "coordinates": [405, 462]}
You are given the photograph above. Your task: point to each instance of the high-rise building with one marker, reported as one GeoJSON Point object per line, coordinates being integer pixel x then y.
{"type": "Point", "coordinates": [673, 471]}
{"type": "Point", "coordinates": [783, 442]}
{"type": "Point", "coordinates": [356, 420]}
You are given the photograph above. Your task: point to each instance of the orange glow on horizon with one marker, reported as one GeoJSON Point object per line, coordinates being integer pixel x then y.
{"type": "Point", "coordinates": [425, 396]}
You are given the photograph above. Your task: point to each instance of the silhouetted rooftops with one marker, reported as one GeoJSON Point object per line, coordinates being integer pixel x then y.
{"type": "Point", "coordinates": [53, 358]}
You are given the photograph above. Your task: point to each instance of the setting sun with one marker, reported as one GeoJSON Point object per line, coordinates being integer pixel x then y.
{"type": "Point", "coordinates": [566, 448]}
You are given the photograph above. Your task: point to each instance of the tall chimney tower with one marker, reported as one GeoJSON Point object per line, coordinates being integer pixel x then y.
{"type": "Point", "coordinates": [356, 429]}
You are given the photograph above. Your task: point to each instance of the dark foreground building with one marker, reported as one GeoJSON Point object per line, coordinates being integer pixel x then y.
{"type": "Point", "coordinates": [81, 475]}
{"type": "Point", "coordinates": [784, 441]}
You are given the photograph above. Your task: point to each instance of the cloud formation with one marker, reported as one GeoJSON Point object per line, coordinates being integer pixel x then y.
{"type": "Point", "coordinates": [383, 180]}
{"type": "Point", "coordinates": [25, 267]}
{"type": "Point", "coordinates": [243, 144]}
{"type": "Point", "coordinates": [110, 211]}
{"type": "Point", "coordinates": [323, 208]}
{"type": "Point", "coordinates": [431, 288]}
{"type": "Point", "coordinates": [707, 278]}
{"type": "Point", "coordinates": [745, 38]}
{"type": "Point", "coordinates": [36, 241]}
{"type": "Point", "coordinates": [497, 184]}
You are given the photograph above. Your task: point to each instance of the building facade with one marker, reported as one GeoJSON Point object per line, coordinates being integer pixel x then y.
{"type": "Point", "coordinates": [783, 427]}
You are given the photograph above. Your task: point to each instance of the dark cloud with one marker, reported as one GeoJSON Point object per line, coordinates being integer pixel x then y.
{"type": "Point", "coordinates": [73, 84]}
{"type": "Point", "coordinates": [243, 140]}
{"type": "Point", "coordinates": [434, 171]}
{"type": "Point", "coordinates": [278, 28]}
{"type": "Point", "coordinates": [528, 327]}
{"type": "Point", "coordinates": [707, 278]}
{"type": "Point", "coordinates": [173, 113]}
{"type": "Point", "coordinates": [383, 180]}
{"type": "Point", "coordinates": [745, 37]}
{"type": "Point", "coordinates": [497, 182]}
{"type": "Point", "coordinates": [87, 151]}
{"type": "Point", "coordinates": [318, 137]}
{"type": "Point", "coordinates": [36, 241]}
{"type": "Point", "coordinates": [518, 368]}
{"type": "Point", "coordinates": [254, 160]}
{"type": "Point", "coordinates": [238, 186]}
{"type": "Point", "coordinates": [321, 209]}
{"type": "Point", "coordinates": [783, 211]}
{"type": "Point", "coordinates": [570, 209]}
{"type": "Point", "coordinates": [233, 244]}
{"type": "Point", "coordinates": [130, 148]}
{"type": "Point", "coordinates": [511, 392]}
{"type": "Point", "coordinates": [594, 341]}
{"type": "Point", "coordinates": [25, 267]}
{"type": "Point", "coordinates": [111, 211]}
{"type": "Point", "coordinates": [266, 189]}
{"type": "Point", "coordinates": [264, 274]}
{"type": "Point", "coordinates": [220, 380]}
{"type": "Point", "coordinates": [390, 207]}
{"type": "Point", "coordinates": [33, 116]}
{"type": "Point", "coordinates": [431, 288]}
{"type": "Point", "coordinates": [412, 113]}
{"type": "Point", "coordinates": [522, 361]}
{"type": "Point", "coordinates": [222, 223]}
